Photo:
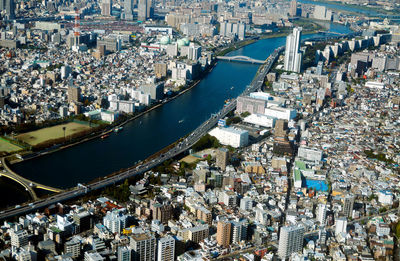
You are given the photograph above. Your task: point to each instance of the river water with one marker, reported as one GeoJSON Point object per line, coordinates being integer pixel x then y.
{"type": "Point", "coordinates": [353, 9]}
{"type": "Point", "coordinates": [150, 133]}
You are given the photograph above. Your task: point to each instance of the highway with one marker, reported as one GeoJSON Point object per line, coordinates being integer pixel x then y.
{"type": "Point", "coordinates": [180, 147]}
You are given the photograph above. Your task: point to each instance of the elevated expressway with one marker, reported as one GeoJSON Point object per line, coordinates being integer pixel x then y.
{"type": "Point", "coordinates": [26, 183]}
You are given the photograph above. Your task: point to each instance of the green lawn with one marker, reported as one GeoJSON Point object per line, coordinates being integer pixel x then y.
{"type": "Point", "coordinates": [35, 137]}
{"type": "Point", "coordinates": [6, 146]}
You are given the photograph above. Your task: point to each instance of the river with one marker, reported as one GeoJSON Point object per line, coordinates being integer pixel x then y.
{"type": "Point", "coordinates": [348, 8]}
{"type": "Point", "coordinates": [150, 133]}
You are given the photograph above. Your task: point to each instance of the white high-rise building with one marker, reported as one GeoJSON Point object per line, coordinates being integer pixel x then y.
{"type": "Point", "coordinates": [194, 52]}
{"type": "Point", "coordinates": [115, 221]}
{"type": "Point", "coordinates": [290, 240]}
{"type": "Point", "coordinates": [293, 56]}
{"type": "Point", "coordinates": [340, 225]}
{"type": "Point", "coordinates": [321, 214]}
{"type": "Point", "coordinates": [166, 249]}
{"type": "Point", "coordinates": [246, 203]}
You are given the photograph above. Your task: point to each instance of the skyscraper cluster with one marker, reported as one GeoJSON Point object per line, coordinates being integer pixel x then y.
{"type": "Point", "coordinates": [293, 56]}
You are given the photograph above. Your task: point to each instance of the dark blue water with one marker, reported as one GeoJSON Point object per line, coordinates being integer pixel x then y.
{"type": "Point", "coordinates": [354, 9]}
{"type": "Point", "coordinates": [155, 130]}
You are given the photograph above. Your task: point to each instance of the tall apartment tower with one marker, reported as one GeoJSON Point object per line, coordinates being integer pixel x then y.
{"type": "Point", "coordinates": [222, 158]}
{"type": "Point", "coordinates": [144, 247]}
{"type": "Point", "coordinates": [224, 233]}
{"type": "Point", "coordinates": [293, 8]}
{"type": "Point", "coordinates": [128, 9]}
{"type": "Point", "coordinates": [348, 205]}
{"type": "Point", "coordinates": [74, 94]}
{"type": "Point", "coordinates": [9, 7]}
{"type": "Point", "coordinates": [142, 10]}
{"type": "Point", "coordinates": [166, 249]}
{"type": "Point", "coordinates": [290, 240]}
{"type": "Point", "coordinates": [145, 9]}
{"type": "Point", "coordinates": [293, 56]}
{"type": "Point", "coordinates": [106, 7]}
{"type": "Point", "coordinates": [321, 214]}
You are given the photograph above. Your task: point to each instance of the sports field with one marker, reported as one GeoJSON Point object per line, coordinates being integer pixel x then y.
{"type": "Point", "coordinates": [35, 137]}
{"type": "Point", "coordinates": [6, 146]}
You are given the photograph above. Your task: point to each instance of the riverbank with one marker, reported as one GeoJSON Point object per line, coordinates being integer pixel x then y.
{"type": "Point", "coordinates": [109, 131]}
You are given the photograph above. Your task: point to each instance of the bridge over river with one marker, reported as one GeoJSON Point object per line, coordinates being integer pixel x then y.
{"type": "Point", "coordinates": [240, 58]}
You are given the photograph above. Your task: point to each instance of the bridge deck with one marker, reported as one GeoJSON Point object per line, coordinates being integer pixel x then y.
{"type": "Point", "coordinates": [240, 58]}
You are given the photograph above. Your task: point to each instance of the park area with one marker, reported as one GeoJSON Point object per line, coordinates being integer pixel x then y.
{"type": "Point", "coordinates": [51, 133]}
{"type": "Point", "coordinates": [6, 146]}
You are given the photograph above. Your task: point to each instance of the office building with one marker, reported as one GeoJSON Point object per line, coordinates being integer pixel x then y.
{"type": "Point", "coordinates": [293, 56]}
{"type": "Point", "coordinates": [290, 240]}
{"type": "Point", "coordinates": [115, 221]}
{"type": "Point", "coordinates": [166, 249]}
{"type": "Point", "coordinates": [128, 9]}
{"type": "Point", "coordinates": [106, 7]}
{"type": "Point", "coordinates": [144, 247]}
{"type": "Point", "coordinates": [222, 158]}
{"type": "Point", "coordinates": [224, 233]}
{"type": "Point", "coordinates": [124, 253]}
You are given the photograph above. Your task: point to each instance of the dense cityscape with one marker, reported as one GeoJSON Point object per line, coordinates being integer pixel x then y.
{"type": "Point", "coordinates": [291, 153]}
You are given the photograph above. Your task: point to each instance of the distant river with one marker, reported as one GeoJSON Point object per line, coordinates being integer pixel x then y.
{"type": "Point", "coordinates": [353, 9]}
{"type": "Point", "coordinates": [150, 133]}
